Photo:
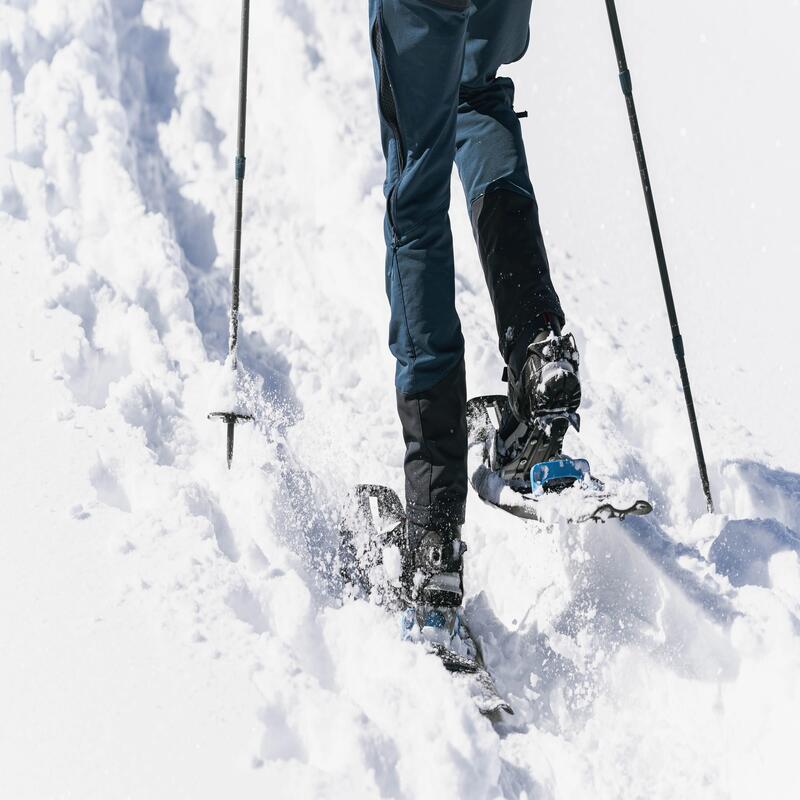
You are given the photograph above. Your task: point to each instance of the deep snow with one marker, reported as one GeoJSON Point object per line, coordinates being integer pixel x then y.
{"type": "Point", "coordinates": [168, 628]}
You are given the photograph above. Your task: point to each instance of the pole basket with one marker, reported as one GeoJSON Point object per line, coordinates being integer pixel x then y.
{"type": "Point", "coordinates": [231, 419]}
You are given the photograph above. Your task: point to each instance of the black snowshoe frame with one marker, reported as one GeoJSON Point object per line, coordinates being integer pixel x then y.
{"type": "Point", "coordinates": [373, 519]}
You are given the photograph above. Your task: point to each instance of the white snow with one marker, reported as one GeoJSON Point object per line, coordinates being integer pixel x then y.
{"type": "Point", "coordinates": [167, 627]}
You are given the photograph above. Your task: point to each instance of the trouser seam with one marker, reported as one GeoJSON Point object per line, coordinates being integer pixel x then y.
{"type": "Point", "coordinates": [502, 184]}
{"type": "Point", "coordinates": [454, 5]}
{"type": "Point", "coordinates": [396, 262]}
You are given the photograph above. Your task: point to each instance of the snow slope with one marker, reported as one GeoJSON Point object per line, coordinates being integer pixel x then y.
{"type": "Point", "coordinates": [168, 627]}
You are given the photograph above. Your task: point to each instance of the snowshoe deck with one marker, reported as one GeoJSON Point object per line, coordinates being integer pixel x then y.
{"type": "Point", "coordinates": [509, 488]}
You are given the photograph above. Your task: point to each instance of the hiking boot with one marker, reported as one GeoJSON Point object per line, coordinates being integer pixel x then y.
{"type": "Point", "coordinates": [543, 377]}
{"type": "Point", "coordinates": [436, 565]}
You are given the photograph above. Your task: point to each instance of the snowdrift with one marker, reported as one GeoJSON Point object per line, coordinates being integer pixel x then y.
{"type": "Point", "coordinates": [171, 629]}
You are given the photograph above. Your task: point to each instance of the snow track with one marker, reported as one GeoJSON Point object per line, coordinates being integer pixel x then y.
{"type": "Point", "coordinates": [169, 628]}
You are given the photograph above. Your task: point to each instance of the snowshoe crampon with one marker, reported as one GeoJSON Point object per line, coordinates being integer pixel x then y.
{"type": "Point", "coordinates": [525, 472]}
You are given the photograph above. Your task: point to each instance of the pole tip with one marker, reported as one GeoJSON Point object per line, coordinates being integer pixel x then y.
{"type": "Point", "coordinates": [231, 428]}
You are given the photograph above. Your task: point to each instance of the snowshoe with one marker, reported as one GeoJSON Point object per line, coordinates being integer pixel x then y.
{"type": "Point", "coordinates": [520, 468]}
{"type": "Point", "coordinates": [372, 537]}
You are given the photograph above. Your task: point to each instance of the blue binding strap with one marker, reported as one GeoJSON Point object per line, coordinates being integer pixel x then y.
{"type": "Point", "coordinates": [558, 474]}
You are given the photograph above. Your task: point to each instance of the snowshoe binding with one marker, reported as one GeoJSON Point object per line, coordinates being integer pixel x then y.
{"type": "Point", "coordinates": [516, 442]}
{"type": "Point", "coordinates": [544, 393]}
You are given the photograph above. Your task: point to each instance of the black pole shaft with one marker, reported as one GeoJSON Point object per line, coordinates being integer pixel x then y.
{"type": "Point", "coordinates": [677, 339]}
{"type": "Point", "coordinates": [237, 232]}
{"type": "Point", "coordinates": [239, 174]}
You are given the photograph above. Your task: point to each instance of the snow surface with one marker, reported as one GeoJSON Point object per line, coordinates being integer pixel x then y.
{"type": "Point", "coordinates": [168, 628]}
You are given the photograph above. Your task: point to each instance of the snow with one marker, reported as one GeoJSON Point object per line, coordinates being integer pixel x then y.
{"type": "Point", "coordinates": [169, 628]}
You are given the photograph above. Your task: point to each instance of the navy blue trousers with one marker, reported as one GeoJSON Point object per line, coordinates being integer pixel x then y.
{"type": "Point", "coordinates": [440, 101]}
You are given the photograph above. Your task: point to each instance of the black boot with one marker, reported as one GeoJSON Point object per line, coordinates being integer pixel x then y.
{"type": "Point", "coordinates": [435, 581]}
{"type": "Point", "coordinates": [544, 393]}
{"type": "Point", "coordinates": [434, 571]}
{"type": "Point", "coordinates": [543, 376]}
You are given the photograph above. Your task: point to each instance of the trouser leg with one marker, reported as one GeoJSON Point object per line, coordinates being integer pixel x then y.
{"type": "Point", "coordinates": [418, 48]}
{"type": "Point", "coordinates": [494, 172]}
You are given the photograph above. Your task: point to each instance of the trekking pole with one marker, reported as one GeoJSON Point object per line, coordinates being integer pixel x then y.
{"type": "Point", "coordinates": [677, 339]}
{"type": "Point", "coordinates": [231, 418]}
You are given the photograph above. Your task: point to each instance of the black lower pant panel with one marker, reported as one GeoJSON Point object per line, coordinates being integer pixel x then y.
{"type": "Point", "coordinates": [506, 228]}
{"type": "Point", "coordinates": [435, 432]}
